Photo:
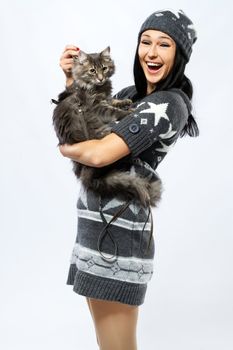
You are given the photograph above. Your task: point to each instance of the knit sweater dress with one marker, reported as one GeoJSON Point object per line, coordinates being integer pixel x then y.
{"type": "Point", "coordinates": [112, 259]}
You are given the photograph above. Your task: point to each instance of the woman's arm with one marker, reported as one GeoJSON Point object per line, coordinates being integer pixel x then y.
{"type": "Point", "coordinates": [159, 116]}
{"type": "Point", "coordinates": [97, 153]}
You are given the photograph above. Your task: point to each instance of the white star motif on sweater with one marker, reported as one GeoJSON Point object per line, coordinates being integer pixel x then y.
{"type": "Point", "coordinates": [169, 133]}
{"type": "Point", "coordinates": [164, 148]}
{"type": "Point", "coordinates": [140, 104]}
{"type": "Point", "coordinates": [159, 111]}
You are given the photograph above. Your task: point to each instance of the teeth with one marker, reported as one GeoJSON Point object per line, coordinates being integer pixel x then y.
{"type": "Point", "coordinates": [154, 64]}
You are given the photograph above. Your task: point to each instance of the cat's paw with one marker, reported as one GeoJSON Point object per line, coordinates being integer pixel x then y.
{"type": "Point", "coordinates": [131, 110]}
{"type": "Point", "coordinates": [126, 103]}
{"type": "Point", "coordinates": [121, 103]}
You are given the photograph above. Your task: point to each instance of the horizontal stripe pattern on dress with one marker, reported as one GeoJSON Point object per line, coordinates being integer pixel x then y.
{"type": "Point", "coordinates": [128, 269]}
{"type": "Point", "coordinates": [127, 224]}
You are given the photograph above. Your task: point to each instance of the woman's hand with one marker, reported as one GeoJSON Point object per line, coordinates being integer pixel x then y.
{"type": "Point", "coordinates": [66, 62]}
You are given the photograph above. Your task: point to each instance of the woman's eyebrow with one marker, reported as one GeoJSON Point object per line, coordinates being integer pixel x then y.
{"type": "Point", "coordinates": [164, 37]}
{"type": "Point", "coordinates": [160, 37]}
{"type": "Point", "coordinates": [148, 36]}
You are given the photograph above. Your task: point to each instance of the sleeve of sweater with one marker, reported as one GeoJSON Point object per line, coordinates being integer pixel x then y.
{"type": "Point", "coordinates": [158, 116]}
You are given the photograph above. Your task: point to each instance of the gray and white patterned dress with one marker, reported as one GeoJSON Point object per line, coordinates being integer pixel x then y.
{"type": "Point", "coordinates": [113, 260]}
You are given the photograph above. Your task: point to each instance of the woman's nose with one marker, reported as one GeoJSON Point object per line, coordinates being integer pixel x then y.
{"type": "Point", "coordinates": [152, 52]}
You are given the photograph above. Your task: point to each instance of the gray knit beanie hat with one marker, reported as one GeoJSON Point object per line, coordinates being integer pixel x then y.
{"type": "Point", "coordinates": [176, 24]}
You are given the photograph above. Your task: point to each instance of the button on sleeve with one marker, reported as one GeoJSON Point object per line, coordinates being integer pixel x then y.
{"type": "Point", "coordinates": [134, 134]}
{"type": "Point", "coordinates": [134, 128]}
{"type": "Point", "coordinates": [158, 116]}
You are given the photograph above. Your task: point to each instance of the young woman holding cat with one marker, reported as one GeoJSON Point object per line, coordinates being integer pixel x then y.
{"type": "Point", "coordinates": [115, 284]}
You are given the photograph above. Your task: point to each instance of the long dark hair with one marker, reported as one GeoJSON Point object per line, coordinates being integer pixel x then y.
{"type": "Point", "coordinates": [175, 79]}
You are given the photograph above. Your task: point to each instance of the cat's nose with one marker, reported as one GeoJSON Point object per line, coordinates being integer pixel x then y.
{"type": "Point", "coordinates": [100, 78]}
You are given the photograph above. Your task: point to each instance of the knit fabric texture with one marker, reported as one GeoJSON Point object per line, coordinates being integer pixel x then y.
{"type": "Point", "coordinates": [154, 127]}
{"type": "Point", "coordinates": [111, 274]}
{"type": "Point", "coordinates": [176, 24]}
{"type": "Point", "coordinates": [121, 269]}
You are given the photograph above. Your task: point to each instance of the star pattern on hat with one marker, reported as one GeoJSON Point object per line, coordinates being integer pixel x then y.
{"type": "Point", "coordinates": [176, 24]}
{"type": "Point", "coordinates": [188, 26]}
{"type": "Point", "coordinates": [183, 20]}
{"type": "Point", "coordinates": [176, 13]}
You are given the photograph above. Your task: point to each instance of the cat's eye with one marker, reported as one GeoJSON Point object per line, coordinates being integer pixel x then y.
{"type": "Point", "coordinates": [92, 70]}
{"type": "Point", "coordinates": [104, 68]}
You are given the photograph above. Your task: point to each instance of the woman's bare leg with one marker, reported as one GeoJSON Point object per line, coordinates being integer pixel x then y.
{"type": "Point", "coordinates": [115, 324]}
{"type": "Point", "coordinates": [89, 305]}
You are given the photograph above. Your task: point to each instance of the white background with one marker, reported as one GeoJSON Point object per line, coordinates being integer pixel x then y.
{"type": "Point", "coordinates": [189, 300]}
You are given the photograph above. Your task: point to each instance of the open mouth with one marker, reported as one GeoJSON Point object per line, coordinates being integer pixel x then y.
{"type": "Point", "coordinates": [154, 66]}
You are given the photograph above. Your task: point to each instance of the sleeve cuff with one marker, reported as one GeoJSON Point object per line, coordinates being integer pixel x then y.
{"type": "Point", "coordinates": [134, 135]}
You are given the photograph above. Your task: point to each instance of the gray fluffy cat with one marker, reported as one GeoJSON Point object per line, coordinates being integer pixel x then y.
{"type": "Point", "coordinates": [84, 112]}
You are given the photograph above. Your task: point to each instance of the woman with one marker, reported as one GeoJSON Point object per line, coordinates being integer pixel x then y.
{"type": "Point", "coordinates": [114, 281]}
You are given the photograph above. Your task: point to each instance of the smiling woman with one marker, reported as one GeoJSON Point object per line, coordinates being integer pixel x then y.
{"type": "Point", "coordinates": [156, 53]}
{"type": "Point", "coordinates": [112, 259]}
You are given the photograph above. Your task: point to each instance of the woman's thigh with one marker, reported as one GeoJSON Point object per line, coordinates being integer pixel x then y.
{"type": "Point", "coordinates": [115, 324]}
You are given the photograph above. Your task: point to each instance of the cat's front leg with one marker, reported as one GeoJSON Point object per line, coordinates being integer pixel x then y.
{"type": "Point", "coordinates": [121, 103]}
{"type": "Point", "coordinates": [121, 113]}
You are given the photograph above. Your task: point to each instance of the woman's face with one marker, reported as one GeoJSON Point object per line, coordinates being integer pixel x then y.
{"type": "Point", "coordinates": [156, 55]}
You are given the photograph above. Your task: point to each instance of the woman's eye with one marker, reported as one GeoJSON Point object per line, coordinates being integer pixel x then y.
{"type": "Point", "coordinates": [92, 70]}
{"type": "Point", "coordinates": [145, 42]}
{"type": "Point", "coordinates": [165, 45]}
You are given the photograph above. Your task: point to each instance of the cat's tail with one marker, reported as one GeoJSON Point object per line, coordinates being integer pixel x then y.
{"type": "Point", "coordinates": [125, 184]}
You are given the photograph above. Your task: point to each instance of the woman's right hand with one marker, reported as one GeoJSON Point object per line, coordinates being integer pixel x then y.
{"type": "Point", "coordinates": [66, 62]}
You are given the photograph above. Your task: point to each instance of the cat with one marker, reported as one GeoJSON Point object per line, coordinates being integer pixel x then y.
{"type": "Point", "coordinates": [85, 111]}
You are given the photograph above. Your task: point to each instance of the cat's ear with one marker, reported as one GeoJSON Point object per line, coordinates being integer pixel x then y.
{"type": "Point", "coordinates": [81, 57]}
{"type": "Point", "coordinates": [106, 52]}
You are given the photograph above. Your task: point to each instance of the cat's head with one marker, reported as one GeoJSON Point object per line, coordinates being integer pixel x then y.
{"type": "Point", "coordinates": [93, 69]}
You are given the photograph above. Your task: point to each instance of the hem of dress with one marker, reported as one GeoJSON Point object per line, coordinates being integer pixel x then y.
{"type": "Point", "coordinates": [103, 288]}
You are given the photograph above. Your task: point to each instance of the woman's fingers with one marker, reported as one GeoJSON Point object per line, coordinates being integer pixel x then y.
{"type": "Point", "coordinates": [70, 51]}
{"type": "Point", "coordinates": [71, 47]}
{"type": "Point", "coordinates": [66, 67]}
{"type": "Point", "coordinates": [66, 62]}
{"type": "Point", "coordinates": [66, 59]}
